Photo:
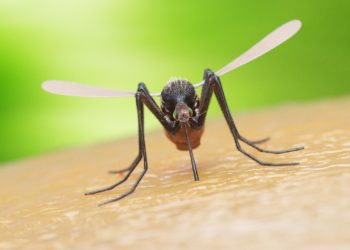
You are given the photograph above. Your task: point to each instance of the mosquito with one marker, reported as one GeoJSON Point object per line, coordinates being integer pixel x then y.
{"type": "Point", "coordinates": [182, 112]}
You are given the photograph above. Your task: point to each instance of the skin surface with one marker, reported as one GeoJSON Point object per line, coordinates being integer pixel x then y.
{"type": "Point", "coordinates": [236, 203]}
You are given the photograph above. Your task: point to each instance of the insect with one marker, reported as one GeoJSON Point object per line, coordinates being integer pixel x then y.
{"type": "Point", "coordinates": [182, 112]}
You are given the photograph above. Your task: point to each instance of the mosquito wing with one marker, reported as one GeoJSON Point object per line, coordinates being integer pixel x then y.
{"type": "Point", "coordinates": [82, 90]}
{"type": "Point", "coordinates": [269, 42]}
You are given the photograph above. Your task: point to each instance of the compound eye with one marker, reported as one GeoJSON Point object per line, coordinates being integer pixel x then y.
{"type": "Point", "coordinates": [175, 115]}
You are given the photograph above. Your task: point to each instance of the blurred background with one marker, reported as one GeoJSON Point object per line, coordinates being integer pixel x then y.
{"type": "Point", "coordinates": [120, 43]}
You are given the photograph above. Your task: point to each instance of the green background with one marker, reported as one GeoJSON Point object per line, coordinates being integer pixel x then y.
{"type": "Point", "coordinates": [120, 43]}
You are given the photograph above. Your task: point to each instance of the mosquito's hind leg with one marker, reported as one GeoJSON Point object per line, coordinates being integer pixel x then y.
{"type": "Point", "coordinates": [207, 92]}
{"type": "Point", "coordinates": [132, 168]}
{"type": "Point", "coordinates": [255, 141]}
{"type": "Point", "coordinates": [142, 98]}
{"type": "Point", "coordinates": [120, 171]}
{"type": "Point", "coordinates": [142, 148]}
{"type": "Point", "coordinates": [213, 84]}
{"type": "Point", "coordinates": [133, 164]}
{"type": "Point", "coordinates": [268, 151]}
{"type": "Point", "coordinates": [259, 161]}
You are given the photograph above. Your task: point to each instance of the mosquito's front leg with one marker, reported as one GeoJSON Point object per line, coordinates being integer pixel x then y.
{"type": "Point", "coordinates": [213, 84]}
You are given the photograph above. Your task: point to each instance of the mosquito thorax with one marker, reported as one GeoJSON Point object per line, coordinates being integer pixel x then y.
{"type": "Point", "coordinates": [176, 93]}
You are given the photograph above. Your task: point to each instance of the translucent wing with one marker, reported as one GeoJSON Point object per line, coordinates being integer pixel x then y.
{"type": "Point", "coordinates": [83, 90]}
{"type": "Point", "coordinates": [269, 42]}
{"type": "Point", "coordinates": [77, 89]}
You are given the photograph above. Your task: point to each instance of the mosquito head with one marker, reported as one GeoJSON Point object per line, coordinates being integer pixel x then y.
{"type": "Point", "coordinates": [178, 99]}
{"type": "Point", "coordinates": [182, 112]}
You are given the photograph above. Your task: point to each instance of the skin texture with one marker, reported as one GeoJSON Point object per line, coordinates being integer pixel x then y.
{"type": "Point", "coordinates": [236, 202]}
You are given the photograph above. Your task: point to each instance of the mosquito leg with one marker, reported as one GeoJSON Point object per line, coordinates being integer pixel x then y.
{"type": "Point", "coordinates": [207, 92]}
{"type": "Point", "coordinates": [143, 97]}
{"type": "Point", "coordinates": [121, 170]}
{"type": "Point", "coordinates": [128, 169]}
{"type": "Point", "coordinates": [269, 151]}
{"type": "Point", "coordinates": [143, 148]}
{"type": "Point", "coordinates": [115, 184]}
{"type": "Point", "coordinates": [259, 161]}
{"type": "Point", "coordinates": [215, 85]}
{"type": "Point", "coordinates": [255, 141]}
{"type": "Point", "coordinates": [133, 165]}
{"type": "Point", "coordinates": [151, 104]}
{"type": "Point", "coordinates": [127, 193]}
